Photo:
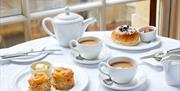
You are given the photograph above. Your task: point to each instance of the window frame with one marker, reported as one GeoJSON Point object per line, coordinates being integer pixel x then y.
{"type": "Point", "coordinates": [27, 16]}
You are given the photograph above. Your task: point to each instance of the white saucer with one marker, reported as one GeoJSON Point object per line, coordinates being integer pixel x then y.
{"type": "Point", "coordinates": [103, 56]}
{"type": "Point", "coordinates": [141, 46]}
{"type": "Point", "coordinates": [139, 80]}
{"type": "Point", "coordinates": [20, 82]}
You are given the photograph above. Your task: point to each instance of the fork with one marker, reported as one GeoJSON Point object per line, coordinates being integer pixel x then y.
{"type": "Point", "coordinates": [160, 54]}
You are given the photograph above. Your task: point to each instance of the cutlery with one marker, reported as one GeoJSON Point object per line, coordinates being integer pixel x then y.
{"type": "Point", "coordinates": [160, 54]}
{"type": "Point", "coordinates": [17, 58]}
{"type": "Point", "coordinates": [28, 53]}
{"type": "Point", "coordinates": [109, 81]}
{"type": "Point", "coordinates": [79, 57]}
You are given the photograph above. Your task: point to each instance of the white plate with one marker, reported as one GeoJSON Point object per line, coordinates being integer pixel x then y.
{"type": "Point", "coordinates": [139, 80]}
{"type": "Point", "coordinates": [141, 46]}
{"type": "Point", "coordinates": [20, 83]}
{"type": "Point", "coordinates": [103, 56]}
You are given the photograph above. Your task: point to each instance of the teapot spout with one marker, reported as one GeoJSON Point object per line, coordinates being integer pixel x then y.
{"type": "Point", "coordinates": [87, 22]}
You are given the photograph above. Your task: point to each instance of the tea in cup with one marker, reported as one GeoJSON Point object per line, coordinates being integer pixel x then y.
{"type": "Point", "coordinates": [119, 69]}
{"type": "Point", "coordinates": [87, 47]}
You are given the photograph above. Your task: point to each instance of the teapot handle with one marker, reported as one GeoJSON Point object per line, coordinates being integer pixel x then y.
{"type": "Point", "coordinates": [45, 27]}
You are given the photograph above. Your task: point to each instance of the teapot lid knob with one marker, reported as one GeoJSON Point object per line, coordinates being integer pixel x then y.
{"type": "Point", "coordinates": [67, 10]}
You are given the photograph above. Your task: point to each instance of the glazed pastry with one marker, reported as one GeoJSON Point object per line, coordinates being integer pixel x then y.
{"type": "Point", "coordinates": [125, 35]}
{"type": "Point", "coordinates": [62, 78]}
{"type": "Point", "coordinates": [39, 82]}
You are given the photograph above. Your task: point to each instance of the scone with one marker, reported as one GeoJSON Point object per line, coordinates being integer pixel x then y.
{"type": "Point", "coordinates": [125, 35]}
{"type": "Point", "coordinates": [62, 78]}
{"type": "Point", "coordinates": [39, 82]}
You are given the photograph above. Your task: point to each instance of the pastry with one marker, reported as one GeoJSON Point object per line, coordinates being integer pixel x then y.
{"type": "Point", "coordinates": [62, 78]}
{"type": "Point", "coordinates": [39, 82]}
{"type": "Point", "coordinates": [125, 35]}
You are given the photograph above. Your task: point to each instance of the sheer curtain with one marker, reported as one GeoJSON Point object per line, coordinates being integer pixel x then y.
{"type": "Point", "coordinates": [170, 19]}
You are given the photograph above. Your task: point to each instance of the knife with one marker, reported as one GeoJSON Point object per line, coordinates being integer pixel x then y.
{"type": "Point", "coordinates": [27, 53]}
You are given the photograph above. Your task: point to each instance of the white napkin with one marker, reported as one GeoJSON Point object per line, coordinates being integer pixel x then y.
{"type": "Point", "coordinates": [8, 51]}
{"type": "Point", "coordinates": [151, 62]}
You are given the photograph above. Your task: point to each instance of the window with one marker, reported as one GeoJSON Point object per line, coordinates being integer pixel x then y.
{"type": "Point", "coordinates": [135, 14]}
{"type": "Point", "coordinates": [109, 14]}
{"type": "Point", "coordinates": [12, 32]}
{"type": "Point", "coordinates": [42, 5]}
{"type": "Point", "coordinates": [10, 7]}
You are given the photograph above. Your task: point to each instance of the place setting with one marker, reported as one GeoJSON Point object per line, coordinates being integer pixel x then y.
{"type": "Point", "coordinates": [88, 50]}
{"type": "Point", "coordinates": [126, 37]}
{"type": "Point", "coordinates": [158, 54]}
{"type": "Point", "coordinates": [155, 59]}
{"type": "Point", "coordinates": [46, 76]}
{"type": "Point", "coordinates": [167, 61]}
{"type": "Point", "coordinates": [26, 55]}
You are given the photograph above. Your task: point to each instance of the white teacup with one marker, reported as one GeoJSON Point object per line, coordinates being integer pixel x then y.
{"type": "Point", "coordinates": [148, 36]}
{"type": "Point", "coordinates": [88, 47]}
{"type": "Point", "coordinates": [120, 69]}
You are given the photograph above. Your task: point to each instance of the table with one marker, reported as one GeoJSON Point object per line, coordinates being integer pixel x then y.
{"type": "Point", "coordinates": [156, 80]}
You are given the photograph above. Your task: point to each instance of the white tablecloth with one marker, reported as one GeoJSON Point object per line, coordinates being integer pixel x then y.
{"type": "Point", "coordinates": [156, 80]}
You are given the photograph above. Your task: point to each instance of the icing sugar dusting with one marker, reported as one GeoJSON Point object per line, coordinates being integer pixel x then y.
{"type": "Point", "coordinates": [125, 29]}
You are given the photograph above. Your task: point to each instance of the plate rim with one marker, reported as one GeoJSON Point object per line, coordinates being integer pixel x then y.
{"type": "Point", "coordinates": [125, 88]}
{"type": "Point", "coordinates": [27, 70]}
{"type": "Point", "coordinates": [38, 57]}
{"type": "Point", "coordinates": [109, 42]}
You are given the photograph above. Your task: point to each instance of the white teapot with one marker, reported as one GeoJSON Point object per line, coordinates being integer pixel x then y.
{"type": "Point", "coordinates": [172, 69]}
{"type": "Point", "coordinates": [67, 26]}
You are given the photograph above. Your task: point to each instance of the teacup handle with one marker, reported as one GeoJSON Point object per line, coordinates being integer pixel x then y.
{"type": "Point", "coordinates": [45, 27]}
{"type": "Point", "coordinates": [100, 66]}
{"type": "Point", "coordinates": [73, 44]}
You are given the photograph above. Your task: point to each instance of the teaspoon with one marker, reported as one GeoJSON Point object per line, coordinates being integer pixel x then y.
{"type": "Point", "coordinates": [109, 81]}
{"type": "Point", "coordinates": [79, 57]}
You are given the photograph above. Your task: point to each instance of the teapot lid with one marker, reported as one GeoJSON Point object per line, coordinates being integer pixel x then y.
{"type": "Point", "coordinates": [69, 16]}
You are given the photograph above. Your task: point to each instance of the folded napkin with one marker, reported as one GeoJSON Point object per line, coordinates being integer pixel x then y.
{"type": "Point", "coordinates": [165, 51]}
{"type": "Point", "coordinates": [154, 63]}
{"type": "Point", "coordinates": [8, 51]}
